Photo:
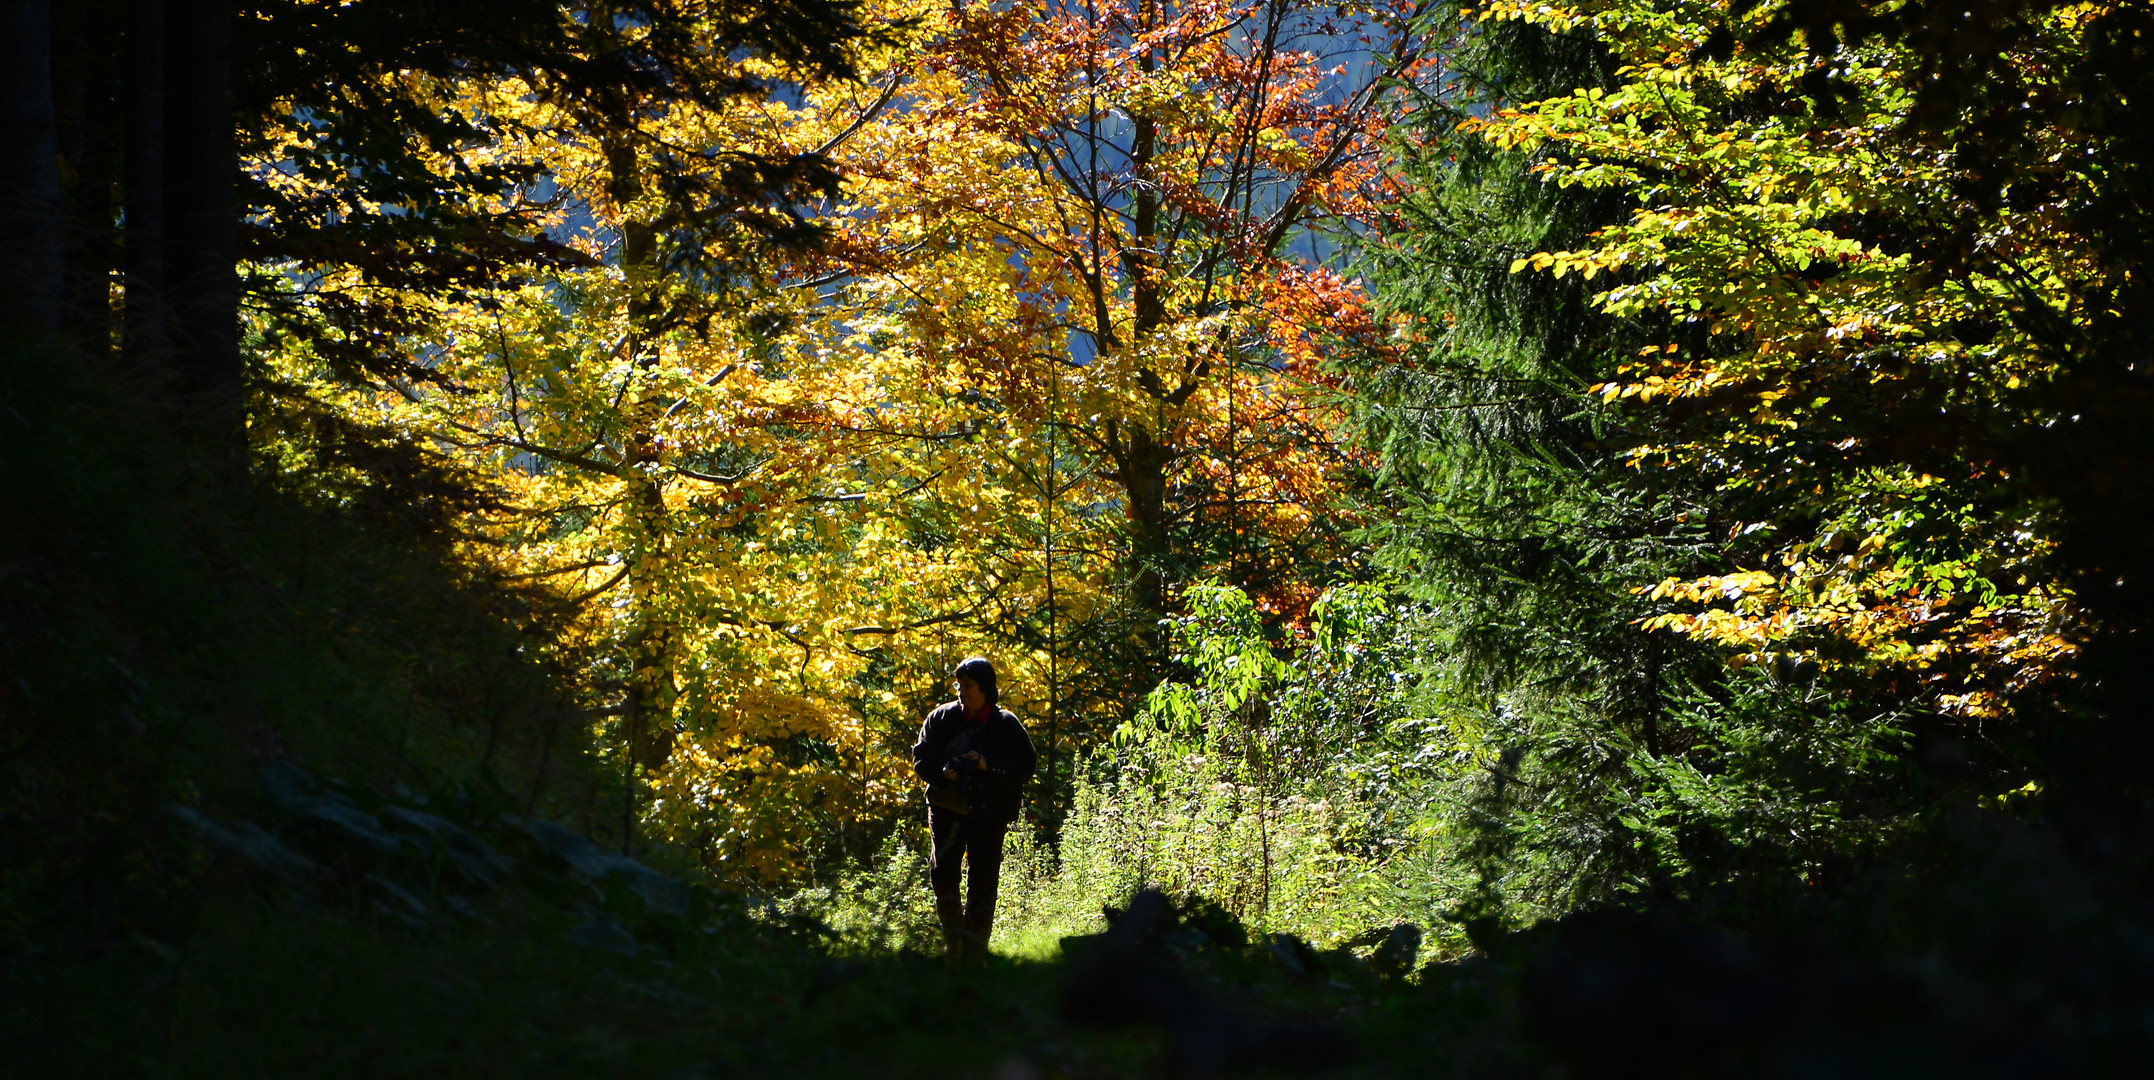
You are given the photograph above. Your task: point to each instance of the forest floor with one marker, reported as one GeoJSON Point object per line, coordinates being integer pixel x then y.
{"type": "Point", "coordinates": [342, 932]}
{"type": "Point", "coordinates": [345, 934]}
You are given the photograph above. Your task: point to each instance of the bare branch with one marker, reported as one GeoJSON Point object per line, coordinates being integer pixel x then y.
{"type": "Point", "coordinates": [592, 565]}
{"type": "Point", "coordinates": [579, 601]}
{"type": "Point", "coordinates": [870, 113]}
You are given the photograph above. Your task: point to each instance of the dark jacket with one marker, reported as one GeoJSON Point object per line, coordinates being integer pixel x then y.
{"type": "Point", "coordinates": [1002, 743]}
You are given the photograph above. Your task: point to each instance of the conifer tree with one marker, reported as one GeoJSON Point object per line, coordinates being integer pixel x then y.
{"type": "Point", "coordinates": [1608, 756]}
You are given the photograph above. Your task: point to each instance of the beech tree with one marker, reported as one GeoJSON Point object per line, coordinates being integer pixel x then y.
{"type": "Point", "coordinates": [1738, 411]}
{"type": "Point", "coordinates": [114, 109]}
{"type": "Point", "coordinates": [792, 455]}
{"type": "Point", "coordinates": [1118, 220]}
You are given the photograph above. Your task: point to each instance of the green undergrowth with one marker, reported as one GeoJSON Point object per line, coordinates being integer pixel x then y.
{"type": "Point", "coordinates": [1194, 836]}
{"type": "Point", "coordinates": [1277, 864]}
{"type": "Point", "coordinates": [177, 633]}
{"type": "Point", "coordinates": [286, 791]}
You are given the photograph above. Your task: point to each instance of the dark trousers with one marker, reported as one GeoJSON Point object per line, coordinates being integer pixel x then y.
{"type": "Point", "coordinates": [975, 840]}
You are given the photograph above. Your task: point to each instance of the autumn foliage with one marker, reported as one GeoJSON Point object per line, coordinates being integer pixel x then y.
{"type": "Point", "coordinates": [1022, 325]}
{"type": "Point", "coordinates": [1840, 385]}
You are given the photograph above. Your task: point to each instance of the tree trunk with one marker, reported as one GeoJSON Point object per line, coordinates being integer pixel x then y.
{"type": "Point", "coordinates": [1143, 468]}
{"type": "Point", "coordinates": [31, 271]}
{"type": "Point", "coordinates": [201, 225]}
{"type": "Point", "coordinates": [1148, 453]}
{"type": "Point", "coordinates": [653, 643]}
{"type": "Point", "coordinates": [85, 71]}
{"type": "Point", "coordinates": [651, 677]}
{"type": "Point", "coordinates": [143, 338]}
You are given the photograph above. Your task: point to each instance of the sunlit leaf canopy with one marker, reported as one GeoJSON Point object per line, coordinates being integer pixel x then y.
{"type": "Point", "coordinates": [994, 329]}
{"type": "Point", "coordinates": [1809, 357]}
{"type": "Point", "coordinates": [495, 487]}
{"type": "Point", "coordinates": [983, 344]}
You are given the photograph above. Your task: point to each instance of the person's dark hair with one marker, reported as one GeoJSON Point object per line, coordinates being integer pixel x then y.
{"type": "Point", "coordinates": [982, 675]}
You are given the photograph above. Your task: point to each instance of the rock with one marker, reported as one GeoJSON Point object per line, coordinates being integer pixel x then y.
{"type": "Point", "coordinates": [404, 904]}
{"type": "Point", "coordinates": [250, 842]}
{"type": "Point", "coordinates": [291, 790]}
{"type": "Point", "coordinates": [474, 857]}
{"type": "Point", "coordinates": [601, 931]}
{"type": "Point", "coordinates": [1125, 978]}
{"type": "Point", "coordinates": [1395, 955]}
{"type": "Point", "coordinates": [1294, 955]}
{"type": "Point", "coordinates": [582, 856]}
{"type": "Point", "coordinates": [662, 895]}
{"type": "Point", "coordinates": [1188, 939]}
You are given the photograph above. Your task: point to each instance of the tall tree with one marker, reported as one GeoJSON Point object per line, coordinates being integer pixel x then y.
{"type": "Point", "coordinates": [199, 286]}
{"type": "Point", "coordinates": [1507, 509]}
{"type": "Point", "coordinates": [142, 179]}
{"type": "Point", "coordinates": [1120, 215]}
{"type": "Point", "coordinates": [675, 458]}
{"type": "Point", "coordinates": [150, 106]}
{"type": "Point", "coordinates": [30, 219]}
{"type": "Point", "coordinates": [791, 483]}
{"type": "Point", "coordinates": [1819, 345]}
{"type": "Point", "coordinates": [2038, 112]}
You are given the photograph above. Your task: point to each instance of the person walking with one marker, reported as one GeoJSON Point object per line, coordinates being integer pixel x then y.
{"type": "Point", "coordinates": [975, 758]}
